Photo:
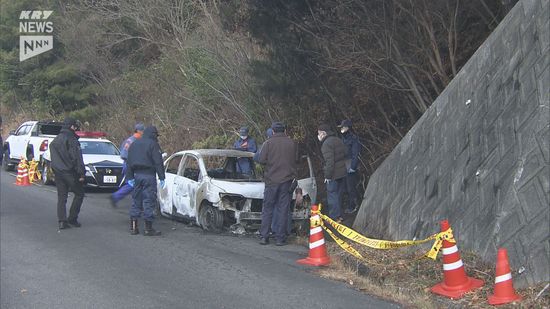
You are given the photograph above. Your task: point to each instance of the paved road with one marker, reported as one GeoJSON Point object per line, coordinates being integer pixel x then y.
{"type": "Point", "coordinates": [101, 266]}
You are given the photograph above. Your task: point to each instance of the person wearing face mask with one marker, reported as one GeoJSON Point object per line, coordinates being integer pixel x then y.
{"type": "Point", "coordinates": [245, 143]}
{"type": "Point", "coordinates": [351, 141]}
{"type": "Point", "coordinates": [334, 168]}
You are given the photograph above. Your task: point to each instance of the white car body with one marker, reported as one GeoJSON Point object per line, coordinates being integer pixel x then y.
{"type": "Point", "coordinates": [102, 170]}
{"type": "Point", "coordinates": [240, 200]}
{"type": "Point", "coordinates": [29, 141]}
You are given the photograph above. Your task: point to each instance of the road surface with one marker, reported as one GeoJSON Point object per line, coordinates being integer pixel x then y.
{"type": "Point", "coordinates": [100, 265]}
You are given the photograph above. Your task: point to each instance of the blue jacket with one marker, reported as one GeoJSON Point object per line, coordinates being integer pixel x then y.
{"type": "Point", "coordinates": [352, 143]}
{"type": "Point", "coordinates": [125, 146]}
{"type": "Point", "coordinates": [248, 144]}
{"type": "Point", "coordinates": [145, 156]}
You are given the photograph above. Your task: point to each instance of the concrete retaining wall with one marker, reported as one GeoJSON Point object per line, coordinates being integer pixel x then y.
{"type": "Point", "coordinates": [480, 155]}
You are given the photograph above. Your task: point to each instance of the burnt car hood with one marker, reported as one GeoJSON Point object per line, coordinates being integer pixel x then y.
{"type": "Point", "coordinates": [247, 189]}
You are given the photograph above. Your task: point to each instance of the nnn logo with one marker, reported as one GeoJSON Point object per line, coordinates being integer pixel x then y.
{"type": "Point", "coordinates": [35, 23]}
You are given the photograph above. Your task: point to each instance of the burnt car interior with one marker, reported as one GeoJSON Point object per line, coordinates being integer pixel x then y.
{"type": "Point", "coordinates": [227, 169]}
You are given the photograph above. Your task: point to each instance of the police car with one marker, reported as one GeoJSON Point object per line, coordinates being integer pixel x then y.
{"type": "Point", "coordinates": [101, 160]}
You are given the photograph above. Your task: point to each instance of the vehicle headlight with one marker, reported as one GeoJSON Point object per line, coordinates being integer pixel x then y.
{"type": "Point", "coordinates": [90, 168]}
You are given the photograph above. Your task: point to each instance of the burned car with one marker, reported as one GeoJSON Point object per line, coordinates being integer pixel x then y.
{"type": "Point", "coordinates": [204, 186]}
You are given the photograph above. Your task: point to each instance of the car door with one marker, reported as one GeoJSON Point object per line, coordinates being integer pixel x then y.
{"type": "Point", "coordinates": [186, 184]}
{"type": "Point", "coordinates": [18, 143]}
{"type": "Point", "coordinates": [172, 165]}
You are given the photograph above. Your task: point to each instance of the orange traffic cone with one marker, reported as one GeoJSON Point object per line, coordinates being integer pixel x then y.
{"type": "Point", "coordinates": [455, 282]}
{"type": "Point", "coordinates": [504, 288]}
{"type": "Point", "coordinates": [22, 178]}
{"type": "Point", "coordinates": [317, 249]}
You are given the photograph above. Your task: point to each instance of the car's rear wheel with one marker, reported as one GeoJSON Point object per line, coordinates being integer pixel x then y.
{"type": "Point", "coordinates": [47, 176]}
{"type": "Point", "coordinates": [211, 218]}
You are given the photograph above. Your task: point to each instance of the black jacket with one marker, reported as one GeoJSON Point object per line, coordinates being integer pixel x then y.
{"type": "Point", "coordinates": [335, 155]}
{"type": "Point", "coordinates": [279, 155]}
{"type": "Point", "coordinates": [352, 142]}
{"type": "Point", "coordinates": [145, 156]}
{"type": "Point", "coordinates": [66, 154]}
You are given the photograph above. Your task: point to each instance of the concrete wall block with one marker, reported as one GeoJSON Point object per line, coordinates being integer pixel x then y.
{"type": "Point", "coordinates": [510, 224]}
{"type": "Point", "coordinates": [528, 86]}
{"type": "Point", "coordinates": [532, 199]}
{"type": "Point", "coordinates": [542, 86]}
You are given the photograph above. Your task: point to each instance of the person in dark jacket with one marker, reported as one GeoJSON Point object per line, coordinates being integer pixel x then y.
{"type": "Point", "coordinates": [126, 189]}
{"type": "Point", "coordinates": [68, 167]}
{"type": "Point", "coordinates": [334, 168]}
{"type": "Point", "coordinates": [143, 163]}
{"type": "Point", "coordinates": [278, 154]}
{"type": "Point", "coordinates": [245, 143]}
{"type": "Point", "coordinates": [351, 141]}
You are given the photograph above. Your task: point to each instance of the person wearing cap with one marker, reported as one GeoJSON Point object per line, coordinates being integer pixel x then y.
{"type": "Point", "coordinates": [334, 168]}
{"type": "Point", "coordinates": [244, 143]}
{"type": "Point", "coordinates": [278, 154]}
{"type": "Point", "coordinates": [68, 167]}
{"type": "Point", "coordinates": [126, 189]}
{"type": "Point", "coordinates": [144, 163]}
{"type": "Point", "coordinates": [351, 141]}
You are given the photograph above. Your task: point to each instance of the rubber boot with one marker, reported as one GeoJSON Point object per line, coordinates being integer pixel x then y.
{"type": "Point", "coordinates": [149, 230]}
{"type": "Point", "coordinates": [134, 227]}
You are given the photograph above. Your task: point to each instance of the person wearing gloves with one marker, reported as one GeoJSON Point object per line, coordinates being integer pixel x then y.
{"type": "Point", "coordinates": [245, 143]}
{"type": "Point", "coordinates": [143, 164]}
{"type": "Point", "coordinates": [126, 189]}
{"type": "Point", "coordinates": [351, 141]}
{"type": "Point", "coordinates": [68, 167]}
{"type": "Point", "coordinates": [334, 168]}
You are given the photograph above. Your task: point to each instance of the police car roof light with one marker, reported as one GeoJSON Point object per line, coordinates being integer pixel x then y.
{"type": "Point", "coordinates": [92, 134]}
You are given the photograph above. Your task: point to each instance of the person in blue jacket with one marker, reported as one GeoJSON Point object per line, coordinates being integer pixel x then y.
{"type": "Point", "coordinates": [351, 141]}
{"type": "Point", "coordinates": [125, 188]}
{"type": "Point", "coordinates": [245, 143]}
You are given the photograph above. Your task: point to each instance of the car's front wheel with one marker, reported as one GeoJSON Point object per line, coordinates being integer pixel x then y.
{"type": "Point", "coordinates": [47, 177]}
{"type": "Point", "coordinates": [211, 218]}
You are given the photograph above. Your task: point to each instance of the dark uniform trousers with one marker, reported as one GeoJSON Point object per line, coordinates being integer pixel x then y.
{"type": "Point", "coordinates": [276, 200]}
{"type": "Point", "coordinates": [351, 189]}
{"type": "Point", "coordinates": [65, 182]}
{"type": "Point", "coordinates": [145, 196]}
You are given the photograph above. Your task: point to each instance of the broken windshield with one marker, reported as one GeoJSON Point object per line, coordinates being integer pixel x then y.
{"type": "Point", "coordinates": [230, 168]}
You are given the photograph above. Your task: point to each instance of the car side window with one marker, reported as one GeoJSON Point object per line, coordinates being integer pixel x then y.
{"type": "Point", "coordinates": [173, 165]}
{"type": "Point", "coordinates": [191, 168]}
{"type": "Point", "coordinates": [22, 130]}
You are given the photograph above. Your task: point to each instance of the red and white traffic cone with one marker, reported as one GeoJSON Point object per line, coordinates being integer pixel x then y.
{"type": "Point", "coordinates": [504, 288]}
{"type": "Point", "coordinates": [317, 249]}
{"type": "Point", "coordinates": [455, 282]}
{"type": "Point", "coordinates": [22, 178]}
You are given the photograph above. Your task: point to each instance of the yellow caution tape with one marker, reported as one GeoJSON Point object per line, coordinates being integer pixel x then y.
{"type": "Point", "coordinates": [34, 173]}
{"type": "Point", "coordinates": [386, 244]}
{"type": "Point", "coordinates": [344, 245]}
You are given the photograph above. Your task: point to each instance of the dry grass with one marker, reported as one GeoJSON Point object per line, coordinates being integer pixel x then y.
{"type": "Point", "coordinates": [404, 276]}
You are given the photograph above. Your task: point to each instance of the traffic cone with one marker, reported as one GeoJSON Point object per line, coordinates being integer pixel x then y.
{"type": "Point", "coordinates": [22, 178]}
{"type": "Point", "coordinates": [455, 282]}
{"type": "Point", "coordinates": [504, 289]}
{"type": "Point", "coordinates": [317, 249]}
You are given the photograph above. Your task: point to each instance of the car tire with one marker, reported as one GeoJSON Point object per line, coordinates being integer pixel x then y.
{"type": "Point", "coordinates": [211, 218]}
{"type": "Point", "coordinates": [47, 178]}
{"type": "Point", "coordinates": [6, 161]}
